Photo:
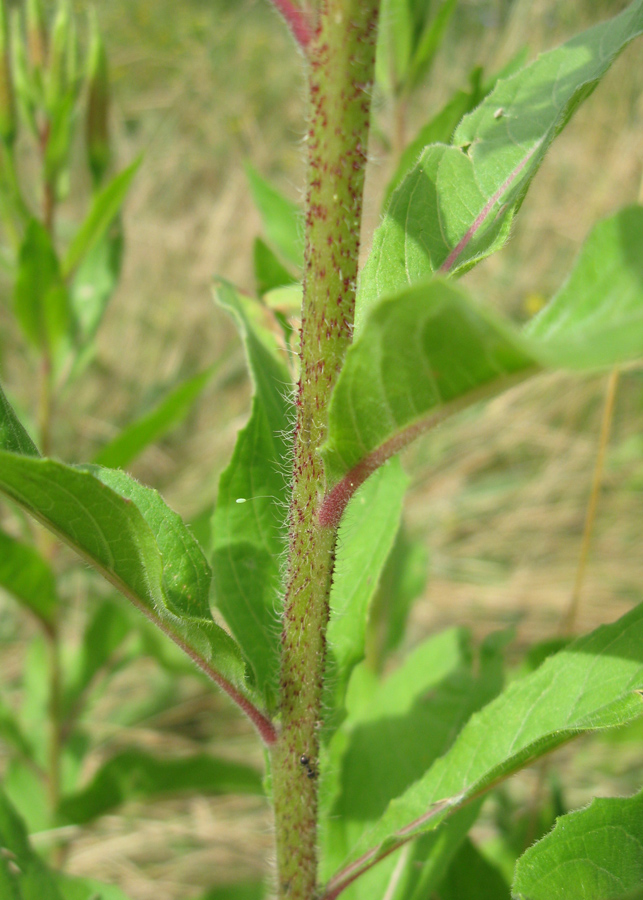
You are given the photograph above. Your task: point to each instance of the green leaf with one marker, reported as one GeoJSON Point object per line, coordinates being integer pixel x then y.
{"type": "Point", "coordinates": [594, 852]}
{"type": "Point", "coordinates": [470, 875]}
{"type": "Point", "coordinates": [126, 532]}
{"type": "Point", "coordinates": [28, 578]}
{"type": "Point", "coordinates": [429, 44]}
{"type": "Point", "coordinates": [596, 318]}
{"type": "Point", "coordinates": [389, 740]}
{"type": "Point", "coordinates": [394, 45]}
{"type": "Point", "coordinates": [269, 272]}
{"type": "Point", "coordinates": [281, 218]}
{"type": "Point", "coordinates": [95, 280]}
{"type": "Point", "coordinates": [72, 888]}
{"type": "Point", "coordinates": [171, 410]}
{"type": "Point", "coordinates": [242, 890]}
{"type": "Point", "coordinates": [249, 518]}
{"type": "Point", "coordinates": [365, 539]}
{"type": "Point", "coordinates": [424, 354]}
{"type": "Point", "coordinates": [134, 774]}
{"type": "Point", "coordinates": [438, 130]}
{"type": "Point", "coordinates": [106, 630]}
{"type": "Point", "coordinates": [11, 732]}
{"type": "Point", "coordinates": [455, 207]}
{"type": "Point", "coordinates": [23, 875]}
{"type": "Point", "coordinates": [402, 581]}
{"type": "Point", "coordinates": [13, 435]}
{"type": "Point", "coordinates": [596, 683]}
{"type": "Point", "coordinates": [105, 207]}
{"type": "Point", "coordinates": [40, 298]}
{"type": "Point", "coordinates": [465, 353]}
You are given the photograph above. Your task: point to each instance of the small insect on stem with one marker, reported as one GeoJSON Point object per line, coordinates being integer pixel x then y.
{"type": "Point", "coordinates": [310, 771]}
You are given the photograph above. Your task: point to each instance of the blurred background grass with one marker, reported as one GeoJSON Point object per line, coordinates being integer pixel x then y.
{"type": "Point", "coordinates": [499, 495]}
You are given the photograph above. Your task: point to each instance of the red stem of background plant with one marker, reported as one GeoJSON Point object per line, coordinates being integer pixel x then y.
{"type": "Point", "coordinates": [297, 21]}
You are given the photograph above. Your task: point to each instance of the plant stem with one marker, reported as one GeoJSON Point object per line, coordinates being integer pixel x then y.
{"type": "Point", "coordinates": [341, 58]}
{"type": "Point", "coordinates": [569, 620]}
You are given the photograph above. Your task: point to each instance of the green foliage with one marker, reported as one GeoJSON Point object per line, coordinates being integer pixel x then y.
{"type": "Point", "coordinates": [135, 775]}
{"type": "Point", "coordinates": [408, 744]}
{"type": "Point", "coordinates": [593, 852]}
{"type": "Point", "coordinates": [456, 206]}
{"type": "Point", "coordinates": [466, 353]}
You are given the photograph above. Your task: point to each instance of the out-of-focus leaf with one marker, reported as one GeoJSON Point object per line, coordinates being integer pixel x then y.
{"type": "Point", "coordinates": [470, 875]}
{"type": "Point", "coordinates": [249, 518]}
{"type": "Point", "coordinates": [11, 732]}
{"type": "Point", "coordinates": [134, 540]}
{"type": "Point", "coordinates": [403, 579]}
{"type": "Point", "coordinates": [394, 45]}
{"type": "Point", "coordinates": [106, 630]}
{"type": "Point", "coordinates": [429, 44]}
{"type": "Point", "coordinates": [269, 272]}
{"type": "Point", "coordinates": [134, 774]}
{"type": "Point", "coordinates": [594, 852]}
{"type": "Point", "coordinates": [364, 542]}
{"type": "Point", "coordinates": [455, 207]}
{"type": "Point", "coordinates": [72, 888]}
{"type": "Point", "coordinates": [23, 875]}
{"type": "Point", "coordinates": [429, 351]}
{"type": "Point", "coordinates": [596, 318]}
{"type": "Point", "coordinates": [28, 578]}
{"type": "Point", "coordinates": [40, 298]}
{"type": "Point", "coordinates": [596, 683]}
{"type": "Point", "coordinates": [13, 435]}
{"type": "Point", "coordinates": [106, 205]}
{"type": "Point", "coordinates": [282, 219]}
{"type": "Point", "coordinates": [95, 280]}
{"type": "Point", "coordinates": [25, 788]}
{"type": "Point", "coordinates": [243, 890]}
{"type": "Point", "coordinates": [171, 410]}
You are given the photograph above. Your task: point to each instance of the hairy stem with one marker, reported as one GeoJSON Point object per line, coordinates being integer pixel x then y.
{"type": "Point", "coordinates": [341, 61]}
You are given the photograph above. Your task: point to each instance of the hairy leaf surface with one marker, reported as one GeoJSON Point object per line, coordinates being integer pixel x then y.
{"type": "Point", "coordinates": [455, 207]}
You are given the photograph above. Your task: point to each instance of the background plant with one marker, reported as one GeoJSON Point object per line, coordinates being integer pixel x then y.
{"type": "Point", "coordinates": [62, 278]}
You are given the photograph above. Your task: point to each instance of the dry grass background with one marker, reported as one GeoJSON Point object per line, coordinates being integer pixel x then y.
{"type": "Point", "coordinates": [498, 496]}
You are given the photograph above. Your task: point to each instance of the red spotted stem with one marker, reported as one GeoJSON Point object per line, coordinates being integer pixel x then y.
{"type": "Point", "coordinates": [341, 57]}
{"type": "Point", "coordinates": [297, 20]}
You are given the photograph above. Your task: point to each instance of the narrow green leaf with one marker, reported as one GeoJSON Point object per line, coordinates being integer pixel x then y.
{"type": "Point", "coordinates": [171, 410]}
{"type": "Point", "coordinates": [470, 875]}
{"type": "Point", "coordinates": [11, 732]}
{"type": "Point", "coordinates": [95, 280]}
{"type": "Point", "coordinates": [460, 352]}
{"type": "Point", "coordinates": [402, 581]}
{"type": "Point", "coordinates": [269, 272]}
{"type": "Point", "coordinates": [455, 207]}
{"type": "Point", "coordinates": [146, 553]}
{"type": "Point", "coordinates": [365, 539]}
{"type": "Point", "coordinates": [242, 890]}
{"type": "Point", "coordinates": [595, 683]}
{"type": "Point", "coordinates": [281, 218]}
{"type": "Point", "coordinates": [23, 875]}
{"type": "Point", "coordinates": [429, 44]}
{"type": "Point", "coordinates": [105, 207]}
{"type": "Point", "coordinates": [28, 578]}
{"type": "Point", "coordinates": [106, 630]}
{"type": "Point", "coordinates": [134, 774]}
{"type": "Point", "coordinates": [595, 852]}
{"type": "Point", "coordinates": [249, 518]}
{"type": "Point", "coordinates": [40, 298]}
{"type": "Point", "coordinates": [394, 45]}
{"type": "Point", "coordinates": [13, 435]}
{"type": "Point", "coordinates": [72, 888]}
